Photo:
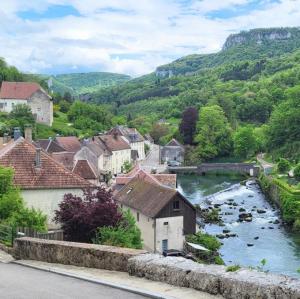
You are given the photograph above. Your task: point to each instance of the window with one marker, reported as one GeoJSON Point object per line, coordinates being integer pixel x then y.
{"type": "Point", "coordinates": [176, 205]}
{"type": "Point", "coordinates": [166, 223]}
{"type": "Point", "coordinates": [1, 105]}
{"type": "Point", "coordinates": [39, 109]}
{"type": "Point", "coordinates": [137, 216]}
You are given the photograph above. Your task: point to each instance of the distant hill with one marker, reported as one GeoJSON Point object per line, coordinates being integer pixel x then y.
{"type": "Point", "coordinates": [247, 45]}
{"type": "Point", "coordinates": [83, 83]}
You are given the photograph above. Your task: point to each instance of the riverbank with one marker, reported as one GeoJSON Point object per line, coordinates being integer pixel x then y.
{"type": "Point", "coordinates": [285, 197]}
{"type": "Point", "coordinates": [246, 241]}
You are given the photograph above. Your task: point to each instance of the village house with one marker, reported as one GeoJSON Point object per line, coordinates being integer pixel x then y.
{"type": "Point", "coordinates": [56, 151]}
{"type": "Point", "coordinates": [31, 94]}
{"type": "Point", "coordinates": [172, 151]}
{"type": "Point", "coordinates": [69, 143]}
{"type": "Point", "coordinates": [166, 179]}
{"type": "Point", "coordinates": [42, 180]}
{"type": "Point", "coordinates": [163, 215]}
{"type": "Point", "coordinates": [134, 138]}
{"type": "Point", "coordinates": [119, 149]}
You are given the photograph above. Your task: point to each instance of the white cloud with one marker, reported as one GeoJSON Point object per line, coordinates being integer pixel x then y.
{"type": "Point", "coordinates": [126, 36]}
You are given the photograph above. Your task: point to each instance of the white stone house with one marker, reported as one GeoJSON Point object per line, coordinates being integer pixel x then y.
{"type": "Point", "coordinates": [42, 180]}
{"type": "Point", "coordinates": [31, 94]}
{"type": "Point", "coordinates": [119, 149]}
{"type": "Point", "coordinates": [163, 215]}
{"type": "Point", "coordinates": [133, 137]}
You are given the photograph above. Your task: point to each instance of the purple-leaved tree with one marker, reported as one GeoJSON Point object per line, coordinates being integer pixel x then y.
{"type": "Point", "coordinates": [79, 217]}
{"type": "Point", "coordinates": [188, 124]}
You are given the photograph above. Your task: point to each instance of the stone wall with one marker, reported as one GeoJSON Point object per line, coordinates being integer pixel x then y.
{"type": "Point", "coordinates": [77, 254]}
{"type": "Point", "coordinates": [243, 284]}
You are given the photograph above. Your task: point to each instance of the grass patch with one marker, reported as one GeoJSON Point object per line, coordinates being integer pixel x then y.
{"type": "Point", "coordinates": [233, 268]}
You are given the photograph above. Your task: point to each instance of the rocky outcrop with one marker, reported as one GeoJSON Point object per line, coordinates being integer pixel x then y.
{"type": "Point", "coordinates": [260, 36]}
{"type": "Point", "coordinates": [243, 284]}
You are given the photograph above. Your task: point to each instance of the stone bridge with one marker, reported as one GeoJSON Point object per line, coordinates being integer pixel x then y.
{"type": "Point", "coordinates": [248, 168]}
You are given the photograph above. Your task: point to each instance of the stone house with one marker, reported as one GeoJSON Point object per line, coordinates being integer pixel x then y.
{"type": "Point", "coordinates": [163, 215]}
{"type": "Point", "coordinates": [42, 180]}
{"type": "Point", "coordinates": [31, 94]}
{"type": "Point", "coordinates": [172, 151]}
{"type": "Point", "coordinates": [133, 137]}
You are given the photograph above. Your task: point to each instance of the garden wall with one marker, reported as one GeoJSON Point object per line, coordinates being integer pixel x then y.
{"type": "Point", "coordinates": [77, 254]}
{"type": "Point", "coordinates": [213, 279]}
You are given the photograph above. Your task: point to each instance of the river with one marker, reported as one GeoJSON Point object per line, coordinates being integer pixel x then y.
{"type": "Point", "coordinates": [263, 238]}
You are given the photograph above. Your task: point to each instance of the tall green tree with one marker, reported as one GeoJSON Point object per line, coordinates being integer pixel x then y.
{"type": "Point", "coordinates": [213, 136]}
{"type": "Point", "coordinates": [244, 142]}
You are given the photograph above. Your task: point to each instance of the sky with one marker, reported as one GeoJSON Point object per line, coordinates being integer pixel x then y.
{"type": "Point", "coordinates": [126, 36]}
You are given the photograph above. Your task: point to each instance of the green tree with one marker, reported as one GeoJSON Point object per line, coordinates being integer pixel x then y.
{"type": "Point", "coordinates": [297, 172]}
{"type": "Point", "coordinates": [283, 165]}
{"type": "Point", "coordinates": [158, 131]}
{"type": "Point", "coordinates": [124, 234]}
{"type": "Point", "coordinates": [213, 133]}
{"type": "Point", "coordinates": [12, 207]}
{"type": "Point", "coordinates": [244, 142]}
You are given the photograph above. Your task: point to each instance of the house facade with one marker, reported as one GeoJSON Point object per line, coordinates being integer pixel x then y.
{"type": "Point", "coordinates": [172, 151]}
{"type": "Point", "coordinates": [133, 137]}
{"type": "Point", "coordinates": [31, 94]}
{"type": "Point", "coordinates": [119, 149]}
{"type": "Point", "coordinates": [163, 215]}
{"type": "Point", "coordinates": [42, 180]}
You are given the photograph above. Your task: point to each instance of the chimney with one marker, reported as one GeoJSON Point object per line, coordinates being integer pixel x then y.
{"type": "Point", "coordinates": [17, 133]}
{"type": "Point", "coordinates": [28, 133]}
{"type": "Point", "coordinates": [38, 161]}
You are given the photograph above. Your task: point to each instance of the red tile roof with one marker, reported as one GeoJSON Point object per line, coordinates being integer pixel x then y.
{"type": "Point", "coordinates": [165, 179]}
{"type": "Point", "coordinates": [69, 143]}
{"type": "Point", "coordinates": [85, 170]}
{"type": "Point", "coordinates": [49, 146]}
{"type": "Point", "coordinates": [64, 158]}
{"type": "Point", "coordinates": [18, 90]}
{"type": "Point", "coordinates": [20, 155]}
{"type": "Point", "coordinates": [114, 142]}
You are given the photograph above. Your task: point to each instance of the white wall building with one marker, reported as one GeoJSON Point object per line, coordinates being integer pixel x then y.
{"type": "Point", "coordinates": [42, 180]}
{"type": "Point", "coordinates": [133, 137]}
{"type": "Point", "coordinates": [31, 94]}
{"type": "Point", "coordinates": [163, 215]}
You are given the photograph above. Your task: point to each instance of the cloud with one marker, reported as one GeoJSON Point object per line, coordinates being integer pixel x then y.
{"type": "Point", "coordinates": [126, 36]}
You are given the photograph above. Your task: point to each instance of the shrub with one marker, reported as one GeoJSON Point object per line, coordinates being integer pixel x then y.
{"type": "Point", "coordinates": [124, 234]}
{"type": "Point", "coordinates": [297, 172]}
{"type": "Point", "coordinates": [233, 268]}
{"type": "Point", "coordinates": [283, 165]}
{"type": "Point", "coordinates": [208, 241]}
{"type": "Point", "coordinates": [80, 217]}
{"type": "Point", "coordinates": [12, 208]}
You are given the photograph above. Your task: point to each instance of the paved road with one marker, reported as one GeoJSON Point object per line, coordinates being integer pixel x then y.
{"type": "Point", "coordinates": [18, 282]}
{"type": "Point", "coordinates": [152, 161]}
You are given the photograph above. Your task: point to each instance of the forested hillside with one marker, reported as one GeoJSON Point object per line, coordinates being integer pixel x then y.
{"type": "Point", "coordinates": [251, 79]}
{"type": "Point", "coordinates": [83, 83]}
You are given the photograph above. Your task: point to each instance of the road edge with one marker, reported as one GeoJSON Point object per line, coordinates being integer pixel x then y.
{"type": "Point", "coordinates": [146, 293]}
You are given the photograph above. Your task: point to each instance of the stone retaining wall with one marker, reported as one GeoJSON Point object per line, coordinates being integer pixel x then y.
{"type": "Point", "coordinates": [77, 254]}
{"type": "Point", "coordinates": [213, 279]}
{"type": "Point", "coordinates": [242, 284]}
